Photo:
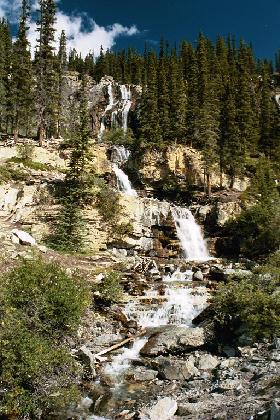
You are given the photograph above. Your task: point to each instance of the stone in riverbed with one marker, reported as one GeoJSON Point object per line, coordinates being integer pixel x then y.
{"type": "Point", "coordinates": [172, 340]}
{"type": "Point", "coordinates": [197, 276]}
{"type": "Point", "coordinates": [174, 369]}
{"type": "Point", "coordinates": [208, 362]}
{"type": "Point", "coordinates": [164, 409]}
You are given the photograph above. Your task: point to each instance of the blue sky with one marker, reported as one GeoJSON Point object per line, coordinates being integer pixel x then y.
{"type": "Point", "coordinates": [121, 23]}
{"type": "Point", "coordinates": [257, 21]}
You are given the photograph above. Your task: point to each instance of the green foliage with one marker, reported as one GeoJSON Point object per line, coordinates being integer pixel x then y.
{"type": "Point", "coordinates": [109, 290]}
{"type": "Point", "coordinates": [251, 303]}
{"type": "Point", "coordinates": [40, 304]}
{"type": "Point", "coordinates": [119, 137]}
{"type": "Point", "coordinates": [8, 173]}
{"type": "Point", "coordinates": [108, 204]}
{"type": "Point", "coordinates": [25, 151]}
{"type": "Point", "coordinates": [256, 231]}
{"type": "Point", "coordinates": [50, 299]}
{"type": "Point", "coordinates": [69, 229]}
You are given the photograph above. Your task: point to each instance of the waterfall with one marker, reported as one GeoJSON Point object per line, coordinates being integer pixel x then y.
{"type": "Point", "coordinates": [124, 184]}
{"type": "Point", "coordinates": [120, 156]}
{"type": "Point", "coordinates": [108, 108]}
{"type": "Point", "coordinates": [126, 98]}
{"type": "Point", "coordinates": [180, 307]}
{"type": "Point", "coordinates": [190, 235]}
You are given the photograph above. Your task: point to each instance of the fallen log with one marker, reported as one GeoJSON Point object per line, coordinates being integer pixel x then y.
{"type": "Point", "coordinates": [99, 355]}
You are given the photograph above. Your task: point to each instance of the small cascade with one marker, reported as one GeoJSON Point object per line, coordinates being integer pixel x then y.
{"type": "Point", "coordinates": [122, 361]}
{"type": "Point", "coordinates": [190, 235]}
{"type": "Point", "coordinates": [126, 99]}
{"type": "Point", "coordinates": [108, 108]}
{"type": "Point", "coordinates": [179, 306]}
{"type": "Point", "coordinates": [178, 276]}
{"type": "Point", "coordinates": [120, 156]}
{"type": "Point", "coordinates": [124, 185]}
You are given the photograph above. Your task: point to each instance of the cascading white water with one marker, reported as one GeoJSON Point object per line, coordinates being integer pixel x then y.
{"type": "Point", "coordinates": [190, 235]}
{"type": "Point", "coordinates": [120, 156]}
{"type": "Point", "coordinates": [178, 276]}
{"type": "Point", "coordinates": [126, 99]}
{"type": "Point", "coordinates": [122, 361]}
{"type": "Point", "coordinates": [180, 307]}
{"type": "Point", "coordinates": [108, 108]}
{"type": "Point", "coordinates": [124, 185]}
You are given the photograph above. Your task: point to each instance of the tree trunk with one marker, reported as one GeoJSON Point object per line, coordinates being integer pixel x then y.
{"type": "Point", "coordinates": [208, 180]}
{"type": "Point", "coordinates": [42, 134]}
{"type": "Point", "coordinates": [16, 131]}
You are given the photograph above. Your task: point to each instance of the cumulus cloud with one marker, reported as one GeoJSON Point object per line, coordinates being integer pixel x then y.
{"type": "Point", "coordinates": [82, 32]}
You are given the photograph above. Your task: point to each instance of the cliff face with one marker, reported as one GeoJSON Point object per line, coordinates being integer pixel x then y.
{"type": "Point", "coordinates": [29, 203]}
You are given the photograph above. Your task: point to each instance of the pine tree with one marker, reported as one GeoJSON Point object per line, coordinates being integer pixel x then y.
{"type": "Point", "coordinates": [62, 67]}
{"type": "Point", "coordinates": [22, 79]}
{"type": "Point", "coordinates": [163, 93]}
{"type": "Point", "coordinates": [5, 79]}
{"type": "Point", "coordinates": [150, 127]}
{"type": "Point", "coordinates": [266, 112]}
{"type": "Point", "coordinates": [46, 70]}
{"type": "Point", "coordinates": [178, 101]}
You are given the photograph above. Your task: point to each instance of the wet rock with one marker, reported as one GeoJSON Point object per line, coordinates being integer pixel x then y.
{"type": "Point", "coordinates": [229, 351]}
{"type": "Point", "coordinates": [197, 276]}
{"type": "Point", "coordinates": [173, 340]}
{"type": "Point", "coordinates": [88, 361]}
{"type": "Point", "coordinates": [164, 409]}
{"type": "Point", "coordinates": [174, 369]}
{"type": "Point", "coordinates": [142, 374]}
{"type": "Point", "coordinates": [275, 411]}
{"type": "Point", "coordinates": [208, 362]}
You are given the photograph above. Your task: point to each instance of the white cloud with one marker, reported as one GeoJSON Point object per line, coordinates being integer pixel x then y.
{"type": "Point", "coordinates": [82, 32]}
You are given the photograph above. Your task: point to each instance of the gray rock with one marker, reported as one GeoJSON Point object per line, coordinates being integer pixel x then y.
{"type": "Point", "coordinates": [174, 369]}
{"type": "Point", "coordinates": [142, 374]}
{"type": "Point", "coordinates": [229, 385]}
{"type": "Point", "coordinates": [275, 411]}
{"type": "Point", "coordinates": [172, 340]}
{"type": "Point", "coordinates": [208, 362]}
{"type": "Point", "coordinates": [21, 237]}
{"type": "Point", "coordinates": [198, 276]}
{"type": "Point", "coordinates": [164, 409]}
{"type": "Point", "coordinates": [88, 361]}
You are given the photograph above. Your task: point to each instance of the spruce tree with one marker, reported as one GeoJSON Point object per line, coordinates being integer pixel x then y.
{"type": "Point", "coordinates": [62, 67]}
{"type": "Point", "coordinates": [46, 74]}
{"type": "Point", "coordinates": [150, 127]}
{"type": "Point", "coordinates": [163, 93]}
{"type": "Point", "coordinates": [22, 76]}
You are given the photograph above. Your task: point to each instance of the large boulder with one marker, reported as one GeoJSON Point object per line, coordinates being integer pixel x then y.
{"type": "Point", "coordinates": [164, 409]}
{"type": "Point", "coordinates": [23, 238]}
{"type": "Point", "coordinates": [175, 369]}
{"type": "Point", "coordinates": [173, 340]}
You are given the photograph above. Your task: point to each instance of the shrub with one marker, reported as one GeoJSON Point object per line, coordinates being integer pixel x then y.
{"type": "Point", "coordinates": [110, 290]}
{"type": "Point", "coordinates": [40, 303]}
{"type": "Point", "coordinates": [7, 173]}
{"type": "Point", "coordinates": [251, 303]}
{"type": "Point", "coordinates": [48, 298]}
{"type": "Point", "coordinates": [25, 151]}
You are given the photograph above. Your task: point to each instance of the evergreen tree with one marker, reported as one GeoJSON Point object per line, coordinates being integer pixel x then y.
{"type": "Point", "coordinates": [178, 101]}
{"type": "Point", "coordinates": [62, 67]}
{"type": "Point", "coordinates": [46, 70]}
{"type": "Point", "coordinates": [266, 112]}
{"type": "Point", "coordinates": [163, 93]}
{"type": "Point", "coordinates": [150, 127]}
{"type": "Point", "coordinates": [5, 72]}
{"type": "Point", "coordinates": [22, 80]}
